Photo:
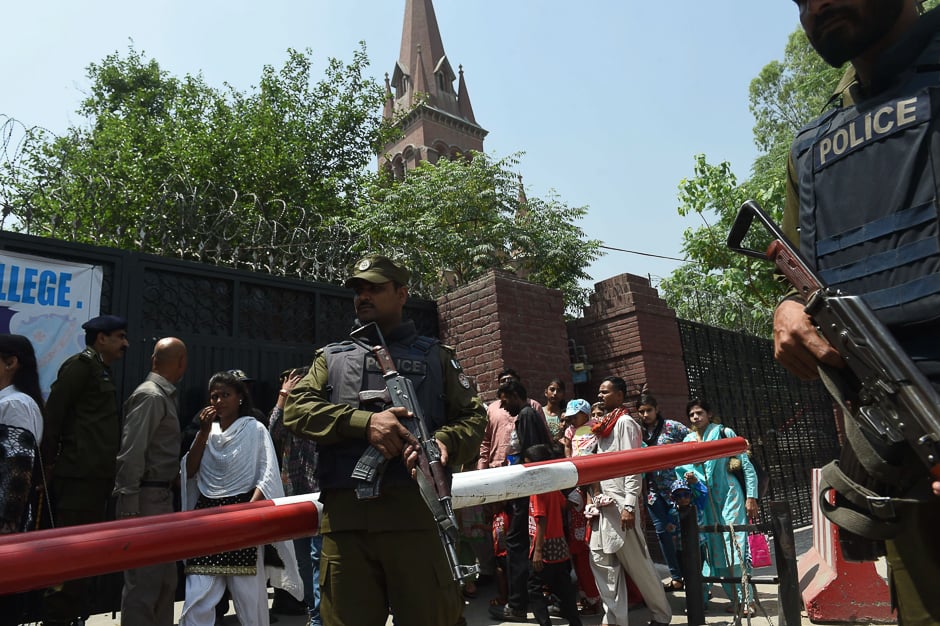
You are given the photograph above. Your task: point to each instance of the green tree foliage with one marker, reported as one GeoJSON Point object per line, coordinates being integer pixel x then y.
{"type": "Point", "coordinates": [277, 179]}
{"type": "Point", "coordinates": [454, 221]}
{"type": "Point", "coordinates": [719, 287]}
{"type": "Point", "coordinates": [204, 170]}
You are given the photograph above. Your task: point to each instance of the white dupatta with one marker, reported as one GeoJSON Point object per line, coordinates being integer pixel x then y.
{"type": "Point", "coordinates": [238, 460]}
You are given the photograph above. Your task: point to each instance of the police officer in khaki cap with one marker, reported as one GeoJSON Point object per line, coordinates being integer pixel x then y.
{"type": "Point", "coordinates": [383, 554]}
{"type": "Point", "coordinates": [378, 269]}
{"type": "Point", "coordinates": [82, 436]}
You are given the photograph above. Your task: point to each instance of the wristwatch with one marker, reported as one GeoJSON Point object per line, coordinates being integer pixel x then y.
{"type": "Point", "coordinates": [629, 508]}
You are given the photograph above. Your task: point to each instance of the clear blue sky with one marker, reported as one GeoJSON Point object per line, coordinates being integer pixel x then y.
{"type": "Point", "coordinates": [609, 99]}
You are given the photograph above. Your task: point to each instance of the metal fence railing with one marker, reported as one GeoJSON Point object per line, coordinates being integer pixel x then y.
{"type": "Point", "coordinates": [790, 424]}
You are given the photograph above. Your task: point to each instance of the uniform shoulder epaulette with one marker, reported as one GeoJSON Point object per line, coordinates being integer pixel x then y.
{"type": "Point", "coordinates": [805, 136]}
{"type": "Point", "coordinates": [424, 344]}
{"type": "Point", "coordinates": [86, 355]}
{"type": "Point", "coordinates": [340, 346]}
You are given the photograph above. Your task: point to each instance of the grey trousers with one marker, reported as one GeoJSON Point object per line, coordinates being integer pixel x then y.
{"type": "Point", "coordinates": [149, 592]}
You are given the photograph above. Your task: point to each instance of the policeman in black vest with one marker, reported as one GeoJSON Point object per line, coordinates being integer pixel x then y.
{"type": "Point", "coordinates": [383, 555]}
{"type": "Point", "coordinates": [863, 196]}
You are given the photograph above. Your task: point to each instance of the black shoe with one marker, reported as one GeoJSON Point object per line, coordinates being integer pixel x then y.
{"type": "Point", "coordinates": [286, 604]}
{"type": "Point", "coordinates": [508, 614]}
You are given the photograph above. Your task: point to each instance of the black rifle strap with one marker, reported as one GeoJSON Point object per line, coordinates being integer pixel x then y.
{"type": "Point", "coordinates": [868, 513]}
{"type": "Point", "coordinates": [870, 516]}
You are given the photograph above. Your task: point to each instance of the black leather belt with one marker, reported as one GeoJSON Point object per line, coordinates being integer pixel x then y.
{"type": "Point", "coordinates": [163, 484]}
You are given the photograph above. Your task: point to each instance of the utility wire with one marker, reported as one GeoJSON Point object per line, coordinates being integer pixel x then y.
{"type": "Point", "coordinates": [658, 256]}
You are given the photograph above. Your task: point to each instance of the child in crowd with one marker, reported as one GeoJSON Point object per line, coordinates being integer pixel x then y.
{"type": "Point", "coordinates": [579, 532]}
{"type": "Point", "coordinates": [554, 407]}
{"type": "Point", "coordinates": [578, 438]}
{"type": "Point", "coordinates": [549, 559]}
{"type": "Point", "coordinates": [578, 441]}
{"type": "Point", "coordinates": [500, 524]}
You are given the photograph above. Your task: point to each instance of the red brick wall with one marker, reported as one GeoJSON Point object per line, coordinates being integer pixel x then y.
{"type": "Point", "coordinates": [469, 322]}
{"type": "Point", "coordinates": [502, 321]}
{"type": "Point", "coordinates": [627, 330]}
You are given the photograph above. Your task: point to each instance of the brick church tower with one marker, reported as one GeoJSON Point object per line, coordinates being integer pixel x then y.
{"type": "Point", "coordinates": [437, 121]}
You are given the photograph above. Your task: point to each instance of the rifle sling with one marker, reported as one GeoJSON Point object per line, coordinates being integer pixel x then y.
{"type": "Point", "coordinates": [868, 514]}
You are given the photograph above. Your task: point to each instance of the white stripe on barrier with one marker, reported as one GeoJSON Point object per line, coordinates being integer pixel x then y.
{"type": "Point", "coordinates": [507, 483]}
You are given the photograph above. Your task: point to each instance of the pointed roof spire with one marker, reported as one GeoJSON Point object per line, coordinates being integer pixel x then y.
{"type": "Point", "coordinates": [523, 202]}
{"type": "Point", "coordinates": [420, 77]}
{"type": "Point", "coordinates": [463, 99]}
{"type": "Point", "coordinates": [438, 123]}
{"type": "Point", "coordinates": [389, 109]}
{"type": "Point", "coordinates": [420, 29]}
{"type": "Point", "coordinates": [422, 52]}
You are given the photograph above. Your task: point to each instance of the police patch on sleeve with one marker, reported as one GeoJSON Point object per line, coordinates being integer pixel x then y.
{"type": "Point", "coordinates": [462, 378]}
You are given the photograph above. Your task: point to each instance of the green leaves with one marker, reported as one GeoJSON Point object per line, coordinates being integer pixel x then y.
{"type": "Point", "coordinates": [277, 179]}
{"type": "Point", "coordinates": [719, 287]}
{"type": "Point", "coordinates": [456, 220]}
{"type": "Point", "coordinates": [173, 166]}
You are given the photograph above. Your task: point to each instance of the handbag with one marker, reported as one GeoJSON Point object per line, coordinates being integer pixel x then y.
{"type": "Point", "coordinates": [736, 469]}
{"type": "Point", "coordinates": [758, 550]}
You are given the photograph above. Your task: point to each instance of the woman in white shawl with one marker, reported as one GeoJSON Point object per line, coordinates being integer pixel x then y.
{"type": "Point", "coordinates": [232, 460]}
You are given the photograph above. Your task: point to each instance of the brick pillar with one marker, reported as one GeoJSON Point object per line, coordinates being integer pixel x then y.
{"type": "Point", "coordinates": [501, 321]}
{"type": "Point", "coordinates": [627, 330]}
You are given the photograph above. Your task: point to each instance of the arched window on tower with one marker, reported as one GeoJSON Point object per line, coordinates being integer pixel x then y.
{"type": "Point", "coordinates": [441, 151]}
{"type": "Point", "coordinates": [401, 87]}
{"type": "Point", "coordinates": [411, 156]}
{"type": "Point", "coordinates": [398, 167]}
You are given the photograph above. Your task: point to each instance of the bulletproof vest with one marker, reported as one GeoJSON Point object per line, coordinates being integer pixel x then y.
{"type": "Point", "coordinates": [868, 180]}
{"type": "Point", "coordinates": [351, 369]}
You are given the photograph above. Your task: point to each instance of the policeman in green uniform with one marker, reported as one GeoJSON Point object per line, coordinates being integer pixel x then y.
{"type": "Point", "coordinates": [862, 205]}
{"type": "Point", "coordinates": [82, 436]}
{"type": "Point", "coordinates": [383, 554]}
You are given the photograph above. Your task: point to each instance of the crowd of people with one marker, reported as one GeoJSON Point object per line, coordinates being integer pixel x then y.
{"type": "Point", "coordinates": [68, 458]}
{"type": "Point", "coordinates": [604, 533]}
{"type": "Point", "coordinates": [82, 451]}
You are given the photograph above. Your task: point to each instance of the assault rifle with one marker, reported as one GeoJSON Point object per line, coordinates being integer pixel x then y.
{"type": "Point", "coordinates": [432, 477]}
{"type": "Point", "coordinates": [879, 387]}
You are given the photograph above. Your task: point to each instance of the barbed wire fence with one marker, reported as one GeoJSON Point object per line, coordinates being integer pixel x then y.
{"type": "Point", "coordinates": [186, 219]}
{"type": "Point", "coordinates": [716, 309]}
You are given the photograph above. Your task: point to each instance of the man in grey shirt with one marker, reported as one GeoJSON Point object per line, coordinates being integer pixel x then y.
{"type": "Point", "coordinates": [147, 468]}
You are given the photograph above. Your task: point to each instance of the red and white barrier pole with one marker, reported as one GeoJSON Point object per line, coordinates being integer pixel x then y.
{"type": "Point", "coordinates": [47, 557]}
{"type": "Point", "coordinates": [516, 481]}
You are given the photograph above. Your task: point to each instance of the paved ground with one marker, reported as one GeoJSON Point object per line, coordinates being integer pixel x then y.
{"type": "Point", "coordinates": [477, 615]}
